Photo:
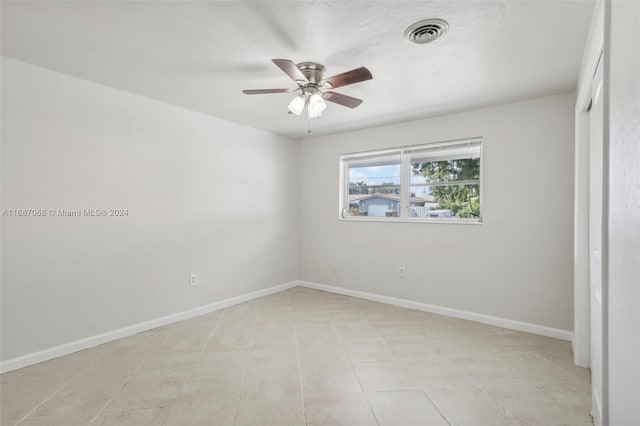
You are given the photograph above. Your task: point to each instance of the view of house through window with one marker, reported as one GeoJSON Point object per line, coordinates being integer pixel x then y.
{"type": "Point", "coordinates": [437, 181]}
{"type": "Point", "coordinates": [374, 186]}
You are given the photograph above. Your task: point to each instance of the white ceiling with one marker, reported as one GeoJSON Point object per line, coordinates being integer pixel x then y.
{"type": "Point", "coordinates": [200, 55]}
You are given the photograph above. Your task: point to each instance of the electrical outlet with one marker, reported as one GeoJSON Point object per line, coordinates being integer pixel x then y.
{"type": "Point", "coordinates": [193, 279]}
{"type": "Point", "coordinates": [401, 271]}
{"type": "Point", "coordinates": [334, 271]}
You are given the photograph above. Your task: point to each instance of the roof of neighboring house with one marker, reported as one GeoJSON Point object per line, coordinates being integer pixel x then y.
{"type": "Point", "coordinates": [391, 197]}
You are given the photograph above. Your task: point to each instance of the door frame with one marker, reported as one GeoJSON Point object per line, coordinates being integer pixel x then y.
{"type": "Point", "coordinates": [581, 339]}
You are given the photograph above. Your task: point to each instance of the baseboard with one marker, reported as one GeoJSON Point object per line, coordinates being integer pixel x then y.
{"type": "Point", "coordinates": [88, 342]}
{"type": "Point", "coordinates": [486, 319]}
{"type": "Point", "coordinates": [596, 409]}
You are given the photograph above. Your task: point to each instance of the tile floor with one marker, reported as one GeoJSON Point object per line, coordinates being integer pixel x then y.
{"type": "Point", "coordinates": [306, 357]}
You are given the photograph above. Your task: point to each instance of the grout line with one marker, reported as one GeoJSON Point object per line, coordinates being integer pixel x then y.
{"type": "Point", "coordinates": [41, 404]}
{"type": "Point", "coordinates": [304, 410]}
{"type": "Point", "coordinates": [436, 407]}
{"type": "Point", "coordinates": [346, 353]}
{"type": "Point", "coordinates": [246, 366]}
{"type": "Point", "coordinates": [354, 373]}
{"type": "Point", "coordinates": [104, 407]}
{"type": "Point", "coordinates": [366, 398]}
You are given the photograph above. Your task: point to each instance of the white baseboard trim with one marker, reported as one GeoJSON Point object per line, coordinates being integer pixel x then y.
{"type": "Point", "coordinates": [486, 319]}
{"type": "Point", "coordinates": [596, 408]}
{"type": "Point", "coordinates": [88, 342]}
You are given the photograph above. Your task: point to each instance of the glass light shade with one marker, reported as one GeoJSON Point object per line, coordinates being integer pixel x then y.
{"type": "Point", "coordinates": [297, 105]}
{"type": "Point", "coordinates": [313, 114]}
{"type": "Point", "coordinates": [316, 105]}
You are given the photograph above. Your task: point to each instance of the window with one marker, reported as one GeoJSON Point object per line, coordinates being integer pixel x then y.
{"type": "Point", "coordinates": [436, 182]}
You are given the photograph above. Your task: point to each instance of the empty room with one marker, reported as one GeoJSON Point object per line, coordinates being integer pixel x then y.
{"type": "Point", "coordinates": [320, 213]}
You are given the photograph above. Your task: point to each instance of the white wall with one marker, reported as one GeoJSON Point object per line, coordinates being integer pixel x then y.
{"type": "Point", "coordinates": [204, 195]}
{"type": "Point", "coordinates": [516, 265]}
{"type": "Point", "coordinates": [622, 113]}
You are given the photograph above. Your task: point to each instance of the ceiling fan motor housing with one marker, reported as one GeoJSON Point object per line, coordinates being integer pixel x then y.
{"type": "Point", "coordinates": [312, 70]}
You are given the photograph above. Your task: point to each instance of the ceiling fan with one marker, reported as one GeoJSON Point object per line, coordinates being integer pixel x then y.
{"type": "Point", "coordinates": [312, 86]}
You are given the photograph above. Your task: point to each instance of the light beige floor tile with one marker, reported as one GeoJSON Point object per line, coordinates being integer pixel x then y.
{"type": "Point", "coordinates": [203, 390]}
{"type": "Point", "coordinates": [565, 361]}
{"type": "Point", "coordinates": [238, 316]}
{"type": "Point", "coordinates": [221, 412]}
{"type": "Point", "coordinates": [315, 331]}
{"type": "Point", "coordinates": [60, 369]}
{"type": "Point", "coordinates": [120, 361]}
{"type": "Point", "coordinates": [345, 316]}
{"type": "Point", "coordinates": [469, 406]}
{"type": "Point", "coordinates": [19, 398]}
{"type": "Point", "coordinates": [417, 316]}
{"type": "Point", "coordinates": [414, 347]}
{"type": "Point", "coordinates": [572, 396]}
{"type": "Point", "coordinates": [405, 408]}
{"type": "Point", "coordinates": [81, 399]}
{"type": "Point", "coordinates": [356, 331]}
{"type": "Point", "coordinates": [53, 421]}
{"type": "Point", "coordinates": [535, 343]}
{"type": "Point", "coordinates": [453, 345]}
{"type": "Point", "coordinates": [206, 321]}
{"type": "Point", "coordinates": [499, 344]}
{"type": "Point", "coordinates": [186, 340]}
{"type": "Point", "coordinates": [341, 410]}
{"type": "Point", "coordinates": [385, 376]}
{"type": "Point", "coordinates": [147, 392]}
{"type": "Point", "coordinates": [233, 338]}
{"type": "Point", "coordinates": [369, 350]}
{"type": "Point", "coordinates": [309, 317]}
{"type": "Point", "coordinates": [169, 364]}
{"type": "Point", "coordinates": [437, 373]}
{"type": "Point", "coordinates": [321, 352]}
{"type": "Point", "coordinates": [530, 405]}
{"type": "Point", "coordinates": [488, 370]}
{"type": "Point", "coordinates": [135, 417]}
{"type": "Point", "coordinates": [327, 379]}
{"type": "Point", "coordinates": [285, 356]}
{"type": "Point", "coordinates": [275, 319]}
{"type": "Point", "coordinates": [280, 412]}
{"type": "Point", "coordinates": [466, 327]}
{"type": "Point", "coordinates": [394, 330]}
{"type": "Point", "coordinates": [283, 337]}
{"type": "Point", "coordinates": [147, 340]}
{"type": "Point", "coordinates": [209, 365]}
{"type": "Point", "coordinates": [225, 356]}
{"type": "Point", "coordinates": [384, 317]}
{"type": "Point", "coordinates": [534, 368]}
{"type": "Point", "coordinates": [272, 381]}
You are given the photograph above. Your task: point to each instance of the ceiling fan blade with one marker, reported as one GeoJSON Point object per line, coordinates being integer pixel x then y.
{"type": "Point", "coordinates": [263, 91]}
{"type": "Point", "coordinates": [350, 77]}
{"type": "Point", "coordinates": [290, 69]}
{"type": "Point", "coordinates": [343, 100]}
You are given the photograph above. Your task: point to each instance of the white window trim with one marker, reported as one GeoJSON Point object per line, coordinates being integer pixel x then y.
{"type": "Point", "coordinates": [405, 182]}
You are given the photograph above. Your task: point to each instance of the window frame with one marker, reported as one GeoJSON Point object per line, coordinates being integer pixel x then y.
{"type": "Point", "coordinates": [404, 153]}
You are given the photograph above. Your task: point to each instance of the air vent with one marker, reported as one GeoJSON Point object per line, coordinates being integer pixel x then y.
{"type": "Point", "coordinates": [426, 31]}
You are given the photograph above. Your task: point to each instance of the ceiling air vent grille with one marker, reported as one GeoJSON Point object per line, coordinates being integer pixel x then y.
{"type": "Point", "coordinates": [426, 31]}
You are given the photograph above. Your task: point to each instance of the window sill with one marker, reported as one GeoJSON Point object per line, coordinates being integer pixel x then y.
{"type": "Point", "coordinates": [456, 221]}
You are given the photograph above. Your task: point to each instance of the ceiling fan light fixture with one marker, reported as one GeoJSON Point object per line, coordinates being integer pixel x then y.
{"type": "Point", "coordinates": [313, 114]}
{"type": "Point", "coordinates": [297, 104]}
{"type": "Point", "coordinates": [316, 105]}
